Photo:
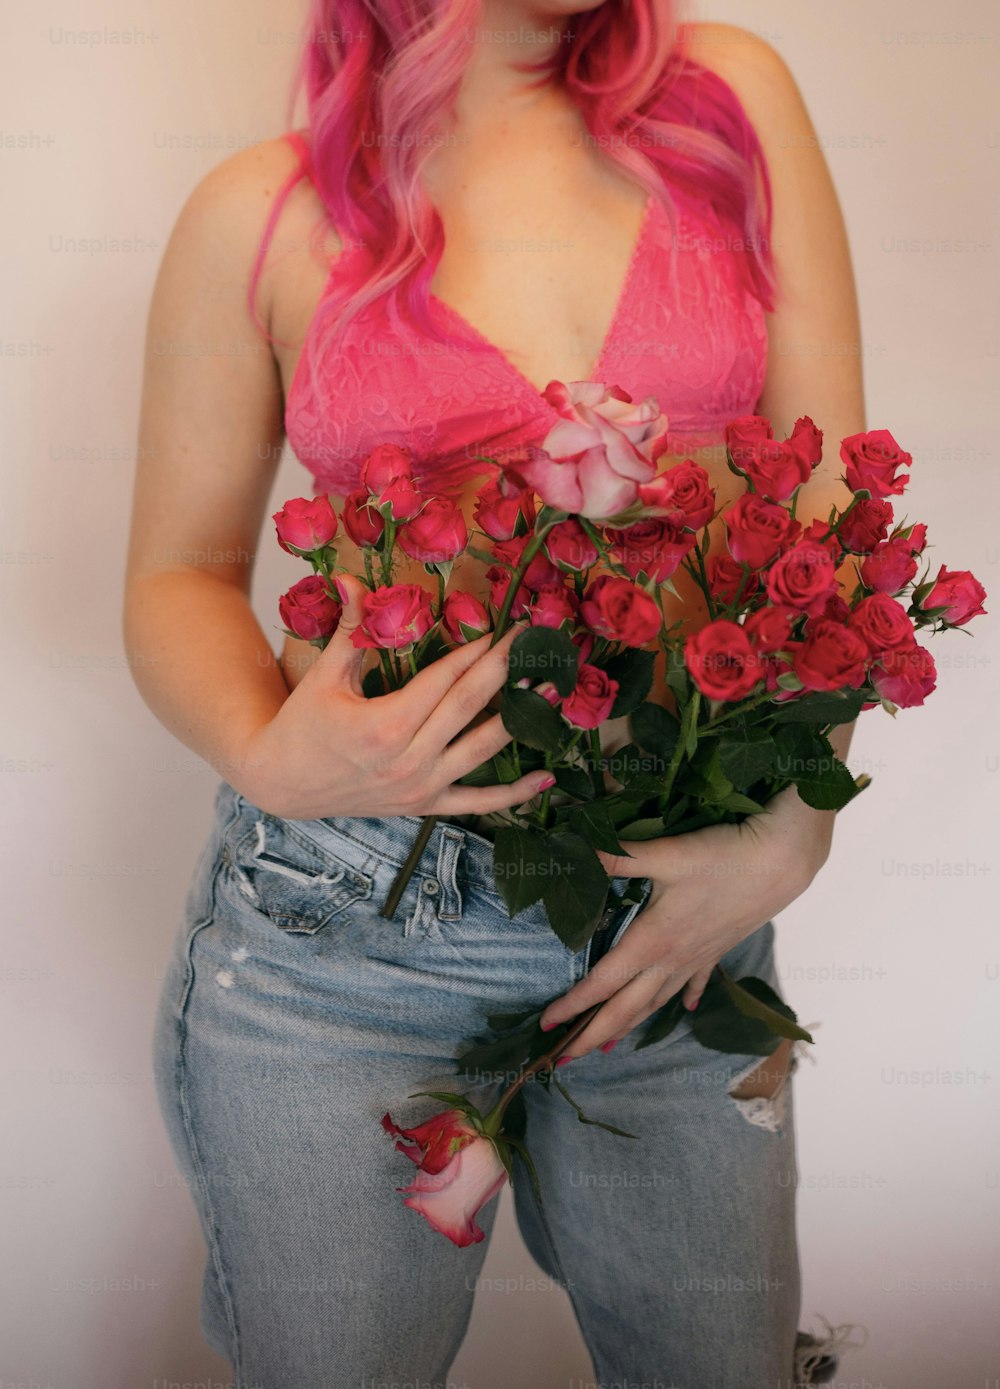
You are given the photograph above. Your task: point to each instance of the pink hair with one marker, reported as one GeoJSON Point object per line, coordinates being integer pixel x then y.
{"type": "Point", "coordinates": [379, 74]}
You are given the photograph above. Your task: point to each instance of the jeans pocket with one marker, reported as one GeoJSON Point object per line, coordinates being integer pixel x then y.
{"type": "Point", "coordinates": [298, 884]}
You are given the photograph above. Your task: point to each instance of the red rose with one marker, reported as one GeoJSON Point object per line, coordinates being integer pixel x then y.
{"type": "Point", "coordinates": [808, 440]}
{"type": "Point", "coordinates": [590, 702]}
{"type": "Point", "coordinates": [553, 605]}
{"type": "Point", "coordinates": [540, 571]}
{"type": "Point", "coordinates": [758, 530]}
{"type": "Point", "coordinates": [653, 548]}
{"type": "Point", "coordinates": [308, 610]}
{"type": "Point", "coordinates": [959, 593]}
{"type": "Point", "coordinates": [384, 465]}
{"type": "Point", "coordinates": [745, 434]}
{"type": "Point", "coordinates": [769, 629]}
{"type": "Point", "coordinates": [831, 657]}
{"type": "Point", "coordinates": [873, 461]}
{"type": "Point", "coordinates": [499, 582]}
{"type": "Point", "coordinates": [802, 576]}
{"type": "Point", "coordinates": [584, 642]}
{"type": "Point", "coordinates": [615, 609]}
{"type": "Point", "coordinates": [832, 608]}
{"type": "Point", "coordinates": [725, 579]}
{"type": "Point", "coordinates": [916, 536]}
{"type": "Point", "coordinates": [905, 676]}
{"type": "Point", "coordinates": [463, 617]}
{"type": "Point", "coordinates": [889, 567]}
{"type": "Point", "coordinates": [458, 1172]}
{"type": "Point", "coordinates": [685, 488]}
{"type": "Point", "coordinates": [865, 525]}
{"type": "Point", "coordinates": [721, 661]}
{"type": "Point", "coordinates": [570, 547]}
{"type": "Point", "coordinates": [504, 510]}
{"type": "Point", "coordinates": [305, 524]}
{"type": "Point", "coordinates": [395, 617]}
{"type": "Point", "coordinates": [436, 534]}
{"type": "Point", "coordinates": [882, 623]}
{"type": "Point", "coordinates": [816, 531]}
{"type": "Point", "coordinates": [399, 499]}
{"type": "Point", "coordinates": [362, 522]}
{"type": "Point", "coordinates": [775, 469]}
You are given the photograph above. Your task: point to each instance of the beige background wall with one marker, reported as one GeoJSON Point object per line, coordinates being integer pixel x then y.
{"type": "Point", "coordinates": [893, 952]}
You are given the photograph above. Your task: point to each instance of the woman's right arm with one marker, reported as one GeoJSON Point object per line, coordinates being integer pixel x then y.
{"type": "Point", "coordinates": [211, 426]}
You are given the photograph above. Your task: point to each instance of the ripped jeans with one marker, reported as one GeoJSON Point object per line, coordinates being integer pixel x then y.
{"type": "Point", "coordinates": [293, 1016]}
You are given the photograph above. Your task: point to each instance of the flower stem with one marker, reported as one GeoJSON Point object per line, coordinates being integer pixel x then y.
{"type": "Point", "coordinates": [493, 1120]}
{"type": "Point", "coordinates": [406, 872]}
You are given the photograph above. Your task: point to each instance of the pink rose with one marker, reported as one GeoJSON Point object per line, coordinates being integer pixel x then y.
{"type": "Point", "coordinates": [436, 534]}
{"type": "Point", "coordinates": [305, 524]}
{"type": "Point", "coordinates": [384, 465]}
{"type": "Point", "coordinates": [459, 1170]}
{"type": "Point", "coordinates": [873, 461]}
{"type": "Point", "coordinates": [757, 530]}
{"type": "Point", "coordinates": [570, 547]}
{"type": "Point", "coordinates": [499, 582]}
{"type": "Point", "coordinates": [775, 469]}
{"type": "Point", "coordinates": [802, 577]}
{"type": "Point", "coordinates": [808, 440]}
{"type": "Point", "coordinates": [399, 499]}
{"type": "Point", "coordinates": [594, 457]}
{"type": "Point", "coordinates": [816, 531]}
{"type": "Point", "coordinates": [553, 606]}
{"type": "Point", "coordinates": [590, 702]}
{"type": "Point", "coordinates": [959, 593]}
{"type": "Point", "coordinates": [685, 488]}
{"type": "Point", "coordinates": [905, 676]}
{"type": "Point", "coordinates": [865, 525]}
{"type": "Point", "coordinates": [654, 548]}
{"type": "Point", "coordinates": [881, 623]}
{"type": "Point", "coordinates": [745, 434]}
{"type": "Point", "coordinates": [619, 611]}
{"type": "Point", "coordinates": [540, 570]}
{"type": "Point", "coordinates": [463, 617]}
{"type": "Point", "coordinates": [362, 522]}
{"type": "Point", "coordinates": [503, 510]}
{"type": "Point", "coordinates": [308, 610]}
{"type": "Point", "coordinates": [889, 567]}
{"type": "Point", "coordinates": [721, 661]}
{"type": "Point", "coordinates": [395, 617]}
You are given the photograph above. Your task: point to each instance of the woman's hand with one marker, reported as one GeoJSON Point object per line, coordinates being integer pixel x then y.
{"type": "Point", "coordinates": [329, 750]}
{"type": "Point", "coordinates": [711, 889]}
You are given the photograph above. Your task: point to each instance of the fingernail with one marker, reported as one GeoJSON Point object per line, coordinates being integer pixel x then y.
{"type": "Point", "coordinates": [564, 1060]}
{"type": "Point", "coordinates": [546, 783]}
{"type": "Point", "coordinates": [606, 1046]}
{"type": "Point", "coordinates": [694, 1004]}
{"type": "Point", "coordinates": [341, 588]}
{"type": "Point", "coordinates": [546, 1026]}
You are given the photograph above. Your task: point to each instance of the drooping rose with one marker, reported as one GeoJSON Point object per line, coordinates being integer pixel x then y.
{"type": "Point", "coordinates": [395, 617]}
{"type": "Point", "coordinates": [591, 699]}
{"type": "Point", "coordinates": [308, 610]}
{"type": "Point", "coordinates": [745, 434]}
{"type": "Point", "coordinates": [570, 547]}
{"type": "Point", "coordinates": [770, 628]}
{"type": "Point", "coordinates": [553, 605]}
{"type": "Point", "coordinates": [684, 487]}
{"type": "Point", "coordinates": [616, 609]}
{"type": "Point", "coordinates": [721, 661]}
{"type": "Point", "coordinates": [654, 548]}
{"type": "Point", "coordinates": [594, 457]}
{"type": "Point", "coordinates": [504, 510]}
{"type": "Point", "coordinates": [905, 676]}
{"type": "Point", "coordinates": [831, 657]}
{"type": "Point", "coordinates": [873, 461]}
{"type": "Point", "coordinates": [540, 570]}
{"type": "Point", "coordinates": [889, 567]}
{"type": "Point", "coordinates": [757, 530]}
{"type": "Point", "coordinates": [882, 623]}
{"type": "Point", "coordinates": [463, 617]}
{"type": "Point", "coordinates": [436, 534]}
{"type": "Point", "coordinates": [459, 1171]}
{"type": "Point", "coordinates": [802, 577]}
{"type": "Point", "coordinates": [362, 521]}
{"type": "Point", "coordinates": [865, 525]}
{"type": "Point", "coordinates": [385, 464]}
{"type": "Point", "coordinates": [305, 524]}
{"type": "Point", "coordinates": [726, 579]}
{"type": "Point", "coordinates": [960, 593]}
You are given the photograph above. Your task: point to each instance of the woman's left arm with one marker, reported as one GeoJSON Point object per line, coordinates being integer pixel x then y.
{"type": "Point", "coordinates": [713, 887]}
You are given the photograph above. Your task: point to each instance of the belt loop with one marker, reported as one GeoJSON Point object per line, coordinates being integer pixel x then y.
{"type": "Point", "coordinates": [449, 906]}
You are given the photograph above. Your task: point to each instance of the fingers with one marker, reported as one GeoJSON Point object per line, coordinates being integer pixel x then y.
{"type": "Point", "coordinates": [622, 1012]}
{"type": "Point", "coordinates": [480, 800]}
{"type": "Point", "coordinates": [454, 703]}
{"type": "Point", "coordinates": [695, 987]}
{"type": "Point", "coordinates": [340, 660]}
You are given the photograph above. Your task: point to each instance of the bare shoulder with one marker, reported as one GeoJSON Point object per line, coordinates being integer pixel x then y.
{"type": "Point", "coordinates": [755, 70]}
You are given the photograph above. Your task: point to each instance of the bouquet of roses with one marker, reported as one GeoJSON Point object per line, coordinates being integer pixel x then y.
{"type": "Point", "coordinates": [582, 536]}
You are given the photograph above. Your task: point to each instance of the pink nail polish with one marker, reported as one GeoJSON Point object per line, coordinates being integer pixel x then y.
{"type": "Point", "coordinates": [692, 1006]}
{"type": "Point", "coordinates": [606, 1046]}
{"type": "Point", "coordinates": [546, 1026]}
{"type": "Point", "coordinates": [564, 1060]}
{"type": "Point", "coordinates": [340, 587]}
{"type": "Point", "coordinates": [544, 785]}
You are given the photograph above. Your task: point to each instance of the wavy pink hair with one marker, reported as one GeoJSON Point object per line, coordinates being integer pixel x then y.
{"type": "Point", "coordinates": [381, 74]}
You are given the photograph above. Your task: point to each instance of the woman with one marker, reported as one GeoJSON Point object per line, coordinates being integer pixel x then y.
{"type": "Point", "coordinates": [293, 1014]}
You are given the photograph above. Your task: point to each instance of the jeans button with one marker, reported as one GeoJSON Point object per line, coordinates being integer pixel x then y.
{"type": "Point", "coordinates": [431, 886]}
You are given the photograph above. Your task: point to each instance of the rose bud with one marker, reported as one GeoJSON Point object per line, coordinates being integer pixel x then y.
{"type": "Point", "coordinates": [616, 609]}
{"type": "Point", "coordinates": [384, 465]}
{"type": "Point", "coordinates": [831, 657]}
{"type": "Point", "coordinates": [653, 549]}
{"type": "Point", "coordinates": [464, 618]}
{"type": "Point", "coordinates": [591, 700]}
{"type": "Point", "coordinates": [889, 567]}
{"type": "Point", "coordinates": [395, 617]}
{"type": "Point", "coordinates": [769, 629]}
{"type": "Point", "coordinates": [305, 524]}
{"type": "Point", "coordinates": [436, 534]}
{"type": "Point", "coordinates": [570, 547]}
{"type": "Point", "coordinates": [866, 524]}
{"type": "Point", "coordinates": [504, 510]}
{"type": "Point", "coordinates": [745, 434]}
{"type": "Point", "coordinates": [905, 676]}
{"type": "Point", "coordinates": [459, 1171]}
{"type": "Point", "coordinates": [308, 611]}
{"type": "Point", "coordinates": [400, 499]}
{"type": "Point", "coordinates": [808, 440]}
{"type": "Point", "coordinates": [959, 593]}
{"type": "Point", "coordinates": [873, 461]}
{"type": "Point", "coordinates": [499, 582]}
{"type": "Point", "coordinates": [584, 641]}
{"type": "Point", "coordinates": [721, 661]}
{"type": "Point", "coordinates": [362, 521]}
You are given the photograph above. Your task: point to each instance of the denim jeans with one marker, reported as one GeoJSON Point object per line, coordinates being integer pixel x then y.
{"type": "Point", "coordinates": [293, 1016]}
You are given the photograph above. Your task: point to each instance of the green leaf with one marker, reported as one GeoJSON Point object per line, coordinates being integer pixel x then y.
{"type": "Point", "coordinates": [518, 858]}
{"type": "Point", "coordinates": [747, 754]}
{"type": "Point", "coordinates": [649, 828]}
{"type": "Point", "coordinates": [633, 669]}
{"type": "Point", "coordinates": [636, 769]}
{"type": "Point", "coordinates": [717, 1023]}
{"type": "Point", "coordinates": [531, 719]}
{"type": "Point", "coordinates": [821, 708]}
{"type": "Point", "coordinates": [574, 781]}
{"type": "Point", "coordinates": [664, 1021]}
{"type": "Point", "coordinates": [736, 801]}
{"type": "Point", "coordinates": [594, 823]}
{"type": "Point", "coordinates": [756, 999]}
{"type": "Point", "coordinates": [655, 729]}
{"type": "Point", "coordinates": [576, 889]}
{"type": "Point", "coordinates": [678, 680]}
{"type": "Point", "coordinates": [544, 653]}
{"type": "Point", "coordinates": [623, 1133]}
{"type": "Point", "coordinates": [806, 757]}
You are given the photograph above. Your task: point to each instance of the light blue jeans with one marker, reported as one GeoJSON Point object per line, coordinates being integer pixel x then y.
{"type": "Point", "coordinates": [293, 1016]}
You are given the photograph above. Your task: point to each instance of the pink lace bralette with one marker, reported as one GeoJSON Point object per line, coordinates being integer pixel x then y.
{"type": "Point", "coordinates": [695, 339]}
